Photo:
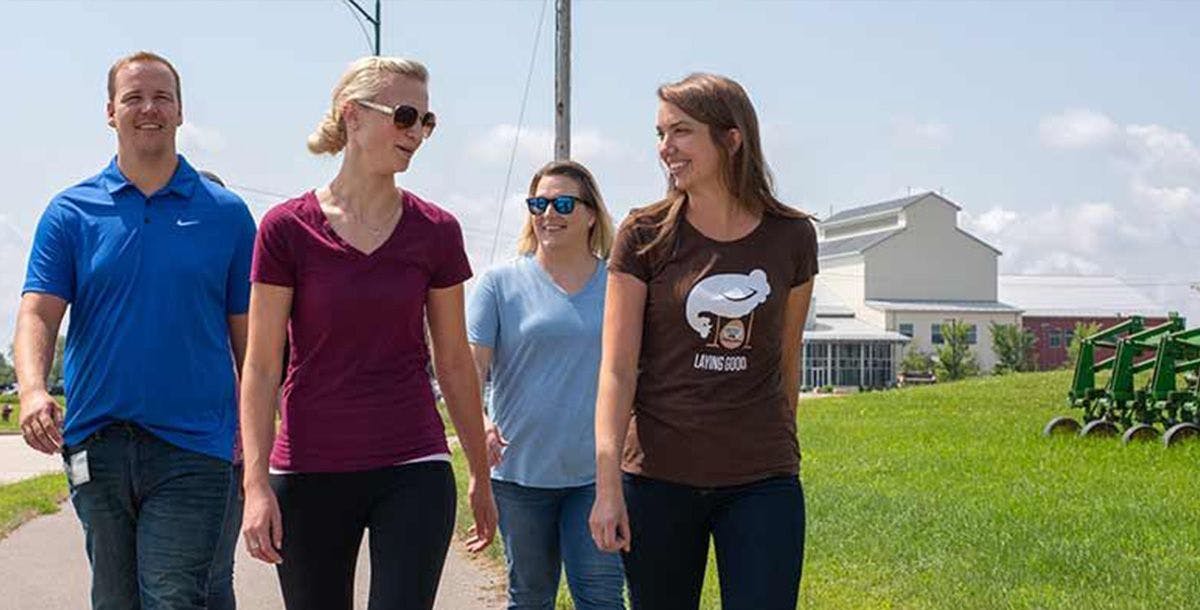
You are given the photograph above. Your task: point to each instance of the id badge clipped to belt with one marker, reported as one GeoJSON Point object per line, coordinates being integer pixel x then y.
{"type": "Point", "coordinates": [77, 469]}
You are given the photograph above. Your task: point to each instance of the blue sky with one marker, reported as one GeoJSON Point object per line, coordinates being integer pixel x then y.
{"type": "Point", "coordinates": [1067, 131]}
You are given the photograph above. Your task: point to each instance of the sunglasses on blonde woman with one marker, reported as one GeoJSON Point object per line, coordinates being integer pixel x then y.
{"type": "Point", "coordinates": [563, 204]}
{"type": "Point", "coordinates": [404, 116]}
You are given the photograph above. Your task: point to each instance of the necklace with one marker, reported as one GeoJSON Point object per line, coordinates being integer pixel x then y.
{"type": "Point", "coordinates": [375, 231]}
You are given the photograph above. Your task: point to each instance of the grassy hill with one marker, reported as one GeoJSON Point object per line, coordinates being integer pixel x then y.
{"type": "Point", "coordinates": [948, 496]}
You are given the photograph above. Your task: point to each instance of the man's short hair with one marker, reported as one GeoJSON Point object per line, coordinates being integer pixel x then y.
{"type": "Point", "coordinates": [136, 57]}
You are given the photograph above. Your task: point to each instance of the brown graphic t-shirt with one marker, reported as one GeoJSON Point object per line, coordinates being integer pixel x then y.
{"type": "Point", "coordinates": [710, 409]}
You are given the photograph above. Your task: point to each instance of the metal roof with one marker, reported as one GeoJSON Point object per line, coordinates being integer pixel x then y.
{"type": "Point", "coordinates": [828, 302]}
{"type": "Point", "coordinates": [850, 329]}
{"type": "Point", "coordinates": [852, 245]}
{"type": "Point", "coordinates": [1083, 296]}
{"type": "Point", "coordinates": [936, 306]}
{"type": "Point", "coordinates": [879, 208]}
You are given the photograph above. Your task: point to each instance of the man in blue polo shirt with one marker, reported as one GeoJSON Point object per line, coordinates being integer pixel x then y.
{"type": "Point", "coordinates": [154, 263]}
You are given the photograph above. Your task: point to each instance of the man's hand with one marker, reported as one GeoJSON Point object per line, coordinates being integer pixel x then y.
{"type": "Point", "coordinates": [41, 421]}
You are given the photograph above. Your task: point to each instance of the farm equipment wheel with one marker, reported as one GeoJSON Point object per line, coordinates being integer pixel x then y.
{"type": "Point", "coordinates": [1061, 425]}
{"type": "Point", "coordinates": [1099, 428]}
{"type": "Point", "coordinates": [1180, 433]}
{"type": "Point", "coordinates": [1139, 433]}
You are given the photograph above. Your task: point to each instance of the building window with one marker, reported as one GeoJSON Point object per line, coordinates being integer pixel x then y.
{"type": "Point", "coordinates": [935, 334]}
{"type": "Point", "coordinates": [906, 330]}
{"type": "Point", "coordinates": [1055, 338]}
{"type": "Point", "coordinates": [1068, 336]}
{"type": "Point", "coordinates": [972, 337]}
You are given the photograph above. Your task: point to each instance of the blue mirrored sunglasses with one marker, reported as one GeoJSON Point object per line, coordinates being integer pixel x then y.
{"type": "Point", "coordinates": [563, 204]}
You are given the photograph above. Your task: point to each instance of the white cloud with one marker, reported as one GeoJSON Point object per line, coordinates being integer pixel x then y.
{"type": "Point", "coordinates": [14, 251]}
{"type": "Point", "coordinates": [478, 216]}
{"type": "Point", "coordinates": [195, 140]}
{"type": "Point", "coordinates": [1148, 232]}
{"type": "Point", "coordinates": [1067, 239]}
{"type": "Point", "coordinates": [1162, 150]}
{"type": "Point", "coordinates": [1059, 262]}
{"type": "Point", "coordinates": [1077, 128]}
{"type": "Point", "coordinates": [536, 145]}
{"type": "Point", "coordinates": [994, 221]}
{"type": "Point", "coordinates": [930, 135]}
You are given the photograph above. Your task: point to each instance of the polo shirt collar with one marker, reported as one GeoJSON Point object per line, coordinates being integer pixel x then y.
{"type": "Point", "coordinates": [183, 181]}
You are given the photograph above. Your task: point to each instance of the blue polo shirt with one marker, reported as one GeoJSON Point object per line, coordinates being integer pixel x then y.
{"type": "Point", "coordinates": [150, 282]}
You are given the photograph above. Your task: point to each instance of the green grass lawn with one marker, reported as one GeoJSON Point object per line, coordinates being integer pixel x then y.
{"type": "Point", "coordinates": [20, 502]}
{"type": "Point", "coordinates": [13, 425]}
{"type": "Point", "coordinates": [947, 496]}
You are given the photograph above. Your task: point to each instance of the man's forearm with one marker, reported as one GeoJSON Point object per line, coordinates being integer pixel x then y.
{"type": "Point", "coordinates": [33, 349]}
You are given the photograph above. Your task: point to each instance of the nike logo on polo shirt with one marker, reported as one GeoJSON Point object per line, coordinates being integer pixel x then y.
{"type": "Point", "coordinates": [186, 223]}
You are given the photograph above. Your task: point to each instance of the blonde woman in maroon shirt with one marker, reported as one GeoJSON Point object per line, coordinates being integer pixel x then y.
{"type": "Point", "coordinates": [708, 290]}
{"type": "Point", "coordinates": [350, 272]}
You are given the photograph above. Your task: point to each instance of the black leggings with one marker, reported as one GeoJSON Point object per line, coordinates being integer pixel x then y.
{"type": "Point", "coordinates": [410, 513]}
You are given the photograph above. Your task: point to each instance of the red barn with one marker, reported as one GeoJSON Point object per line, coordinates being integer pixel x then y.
{"type": "Point", "coordinates": [1054, 304]}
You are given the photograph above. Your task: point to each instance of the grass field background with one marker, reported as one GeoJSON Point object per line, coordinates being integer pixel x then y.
{"type": "Point", "coordinates": [947, 496]}
{"type": "Point", "coordinates": [24, 500]}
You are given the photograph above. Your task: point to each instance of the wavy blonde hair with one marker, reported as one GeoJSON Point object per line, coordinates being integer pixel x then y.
{"type": "Point", "coordinates": [363, 80]}
{"type": "Point", "coordinates": [722, 104]}
{"type": "Point", "coordinates": [600, 235]}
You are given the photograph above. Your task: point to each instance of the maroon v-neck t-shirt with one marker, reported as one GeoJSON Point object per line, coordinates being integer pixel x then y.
{"type": "Point", "coordinates": [357, 394]}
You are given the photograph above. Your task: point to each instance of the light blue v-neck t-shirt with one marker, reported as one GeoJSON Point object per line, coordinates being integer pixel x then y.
{"type": "Point", "coordinates": [545, 365]}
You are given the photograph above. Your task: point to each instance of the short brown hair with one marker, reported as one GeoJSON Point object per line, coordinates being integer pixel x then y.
{"type": "Point", "coordinates": [136, 57]}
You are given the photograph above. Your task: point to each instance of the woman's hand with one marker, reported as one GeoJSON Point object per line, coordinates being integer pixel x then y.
{"type": "Point", "coordinates": [262, 524]}
{"type": "Point", "coordinates": [609, 522]}
{"type": "Point", "coordinates": [483, 507]}
{"type": "Point", "coordinates": [495, 443]}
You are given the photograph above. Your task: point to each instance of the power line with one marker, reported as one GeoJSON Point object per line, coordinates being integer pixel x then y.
{"type": "Point", "coordinates": [512, 157]}
{"type": "Point", "coordinates": [280, 197]}
{"type": "Point", "coordinates": [258, 191]}
{"type": "Point", "coordinates": [354, 13]}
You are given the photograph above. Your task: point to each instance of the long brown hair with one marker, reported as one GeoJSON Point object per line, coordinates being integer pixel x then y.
{"type": "Point", "coordinates": [722, 104]}
{"type": "Point", "coordinates": [600, 235]}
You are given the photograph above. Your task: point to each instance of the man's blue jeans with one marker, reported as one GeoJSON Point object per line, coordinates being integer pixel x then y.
{"type": "Point", "coordinates": [220, 582]}
{"type": "Point", "coordinates": [152, 514]}
{"type": "Point", "coordinates": [546, 530]}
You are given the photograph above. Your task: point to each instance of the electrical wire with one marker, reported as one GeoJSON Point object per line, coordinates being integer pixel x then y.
{"type": "Point", "coordinates": [512, 157]}
{"type": "Point", "coordinates": [358, 19]}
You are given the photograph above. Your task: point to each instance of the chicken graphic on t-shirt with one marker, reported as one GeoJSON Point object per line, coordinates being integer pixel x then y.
{"type": "Point", "coordinates": [727, 298]}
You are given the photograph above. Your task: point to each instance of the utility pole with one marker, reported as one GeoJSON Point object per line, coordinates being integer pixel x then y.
{"type": "Point", "coordinates": [375, 21]}
{"type": "Point", "coordinates": [562, 83]}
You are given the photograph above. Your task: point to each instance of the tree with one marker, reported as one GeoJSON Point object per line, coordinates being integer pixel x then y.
{"type": "Point", "coordinates": [954, 358]}
{"type": "Point", "coordinates": [1082, 331]}
{"type": "Point", "coordinates": [8, 376]}
{"type": "Point", "coordinates": [1013, 346]}
{"type": "Point", "coordinates": [56, 369]}
{"type": "Point", "coordinates": [917, 361]}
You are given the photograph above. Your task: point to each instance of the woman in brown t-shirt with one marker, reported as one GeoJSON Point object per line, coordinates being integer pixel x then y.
{"type": "Point", "coordinates": [707, 294]}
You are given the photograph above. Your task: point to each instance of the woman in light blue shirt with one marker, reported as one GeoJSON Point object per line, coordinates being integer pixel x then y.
{"type": "Point", "coordinates": [534, 327]}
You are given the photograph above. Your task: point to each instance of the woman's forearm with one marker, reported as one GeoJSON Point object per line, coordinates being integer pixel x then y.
{"type": "Point", "coordinates": [458, 378]}
{"type": "Point", "coordinates": [613, 411]}
{"type": "Point", "coordinates": [259, 389]}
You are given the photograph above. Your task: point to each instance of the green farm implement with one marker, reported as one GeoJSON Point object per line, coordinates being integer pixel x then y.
{"type": "Point", "coordinates": [1162, 406]}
